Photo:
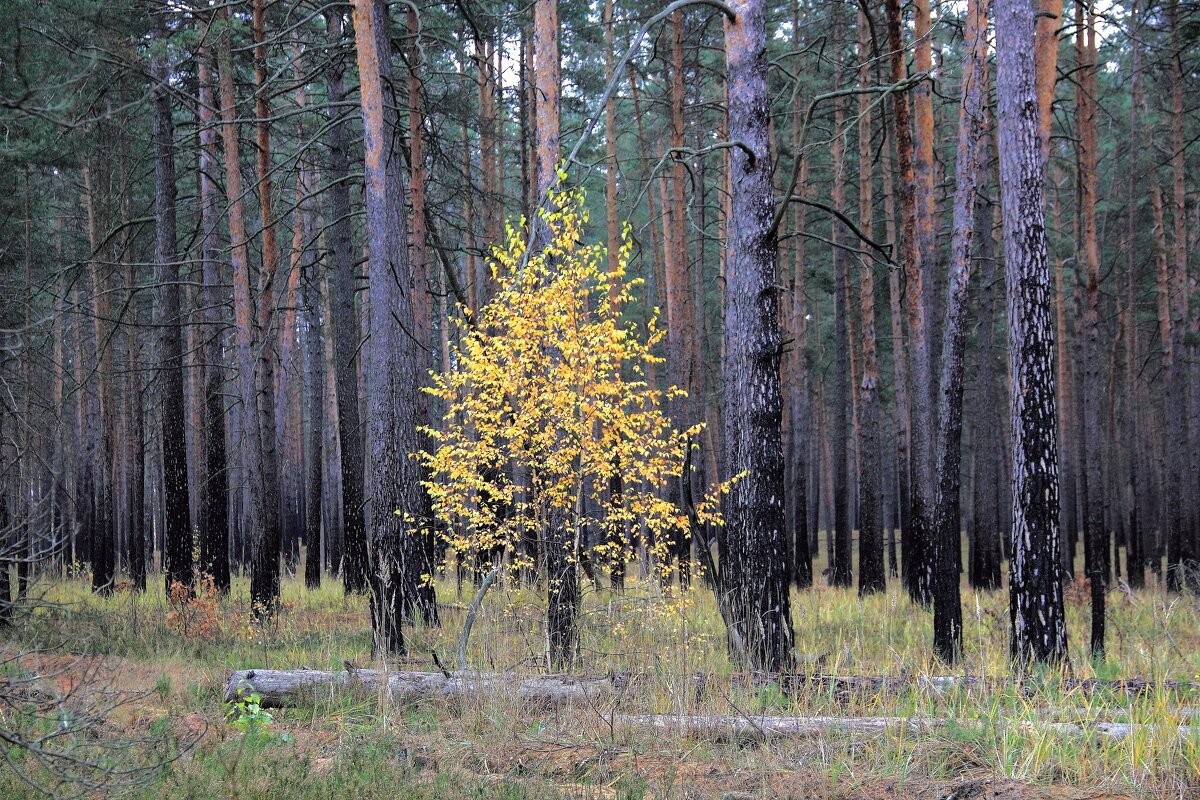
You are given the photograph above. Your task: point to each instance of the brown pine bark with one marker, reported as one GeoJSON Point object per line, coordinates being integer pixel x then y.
{"type": "Point", "coordinates": [561, 551]}
{"type": "Point", "coordinates": [262, 507]}
{"type": "Point", "coordinates": [917, 564]}
{"type": "Point", "coordinates": [425, 551]}
{"type": "Point", "coordinates": [267, 539]}
{"type": "Point", "coordinates": [393, 355]}
{"type": "Point", "coordinates": [840, 557]}
{"type": "Point", "coordinates": [1046, 64]}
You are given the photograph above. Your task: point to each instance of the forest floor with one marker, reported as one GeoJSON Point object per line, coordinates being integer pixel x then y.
{"type": "Point", "coordinates": [170, 670]}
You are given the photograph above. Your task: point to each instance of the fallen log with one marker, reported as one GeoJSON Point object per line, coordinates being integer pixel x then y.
{"type": "Point", "coordinates": [279, 688]}
{"type": "Point", "coordinates": [846, 685]}
{"type": "Point", "coordinates": [726, 727]}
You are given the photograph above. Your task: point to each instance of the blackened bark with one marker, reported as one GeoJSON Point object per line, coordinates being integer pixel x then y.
{"type": "Point", "coordinates": [984, 571]}
{"type": "Point", "coordinates": [1135, 560]}
{"type": "Point", "coordinates": [177, 536]}
{"type": "Point", "coordinates": [754, 571]}
{"type": "Point", "coordinates": [1036, 602]}
{"type": "Point", "coordinates": [214, 514]}
{"type": "Point", "coordinates": [345, 325]}
{"type": "Point", "coordinates": [871, 577]}
{"type": "Point", "coordinates": [947, 607]}
{"type": "Point", "coordinates": [840, 558]}
{"type": "Point", "coordinates": [102, 539]}
{"type": "Point", "coordinates": [315, 401]}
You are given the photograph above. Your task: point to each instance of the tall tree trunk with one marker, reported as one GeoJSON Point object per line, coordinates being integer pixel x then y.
{"type": "Point", "coordinates": [214, 515]}
{"type": "Point", "coordinates": [268, 536]}
{"type": "Point", "coordinates": [1184, 568]}
{"type": "Point", "coordinates": [986, 541]}
{"type": "Point", "coordinates": [797, 367]}
{"type": "Point", "coordinates": [969, 166]}
{"type": "Point", "coordinates": [753, 572]}
{"type": "Point", "coordinates": [1096, 552]}
{"type": "Point", "coordinates": [426, 544]}
{"type": "Point", "coordinates": [841, 572]}
{"type": "Point", "coordinates": [177, 556]}
{"type": "Point", "coordinates": [562, 557]}
{"type": "Point", "coordinates": [871, 577]}
{"type": "Point", "coordinates": [917, 562]}
{"type": "Point", "coordinates": [103, 533]}
{"type": "Point", "coordinates": [1036, 605]}
{"type": "Point", "coordinates": [345, 325]}
{"type": "Point", "coordinates": [133, 491]}
{"type": "Point", "coordinates": [262, 508]}
{"type": "Point", "coordinates": [393, 355]}
{"type": "Point", "coordinates": [1135, 559]}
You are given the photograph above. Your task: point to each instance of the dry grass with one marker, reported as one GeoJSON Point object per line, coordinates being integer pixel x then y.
{"type": "Point", "coordinates": [490, 747]}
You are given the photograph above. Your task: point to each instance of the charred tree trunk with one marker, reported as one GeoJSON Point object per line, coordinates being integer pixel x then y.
{"type": "Point", "coordinates": [214, 515]}
{"type": "Point", "coordinates": [1036, 603]}
{"type": "Point", "coordinates": [754, 572]}
{"type": "Point", "coordinates": [177, 535]}
{"type": "Point", "coordinates": [969, 166]}
{"type": "Point", "coordinates": [103, 533]}
{"type": "Point", "coordinates": [871, 577]}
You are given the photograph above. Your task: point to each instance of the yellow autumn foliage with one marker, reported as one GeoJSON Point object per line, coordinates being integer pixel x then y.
{"type": "Point", "coordinates": [549, 404]}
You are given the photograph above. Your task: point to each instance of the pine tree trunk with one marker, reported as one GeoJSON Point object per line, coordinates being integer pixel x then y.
{"type": "Point", "coordinates": [1184, 568]}
{"type": "Point", "coordinates": [969, 166]}
{"type": "Point", "coordinates": [1096, 553]}
{"type": "Point", "coordinates": [797, 401]}
{"type": "Point", "coordinates": [426, 544]}
{"type": "Point", "coordinates": [345, 326]}
{"type": "Point", "coordinates": [753, 570]}
{"type": "Point", "coordinates": [984, 572]}
{"type": "Point", "coordinates": [266, 538]}
{"type": "Point", "coordinates": [177, 556]}
{"type": "Point", "coordinates": [1036, 604]}
{"type": "Point", "coordinates": [102, 539]}
{"type": "Point", "coordinates": [393, 356]}
{"type": "Point", "coordinates": [871, 577]}
{"type": "Point", "coordinates": [917, 562]}
{"type": "Point", "coordinates": [260, 513]}
{"type": "Point", "coordinates": [214, 515]}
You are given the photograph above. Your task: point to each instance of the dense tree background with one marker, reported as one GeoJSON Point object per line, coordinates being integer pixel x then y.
{"type": "Point", "coordinates": [234, 239]}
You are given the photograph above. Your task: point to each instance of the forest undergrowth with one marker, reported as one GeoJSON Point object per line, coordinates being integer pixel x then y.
{"type": "Point", "coordinates": [992, 739]}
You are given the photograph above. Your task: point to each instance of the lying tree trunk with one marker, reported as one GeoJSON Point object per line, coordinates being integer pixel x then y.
{"type": "Point", "coordinates": [742, 727]}
{"type": "Point", "coordinates": [288, 687]}
{"type": "Point", "coordinates": [281, 688]}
